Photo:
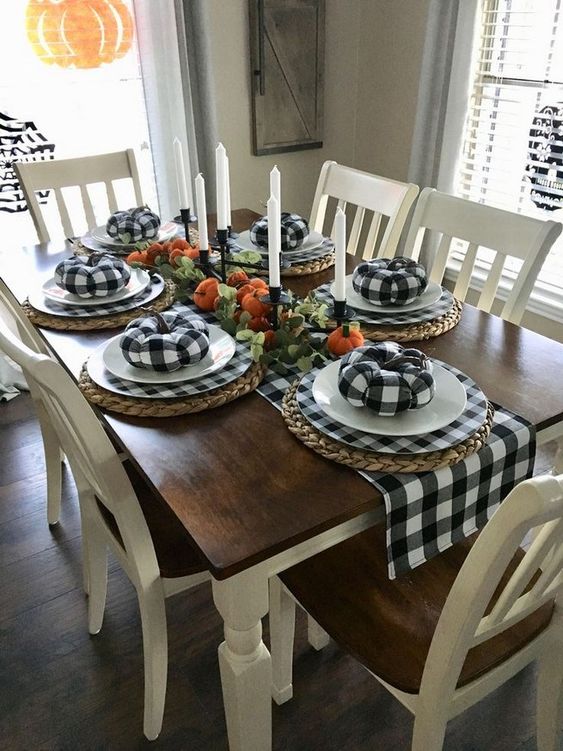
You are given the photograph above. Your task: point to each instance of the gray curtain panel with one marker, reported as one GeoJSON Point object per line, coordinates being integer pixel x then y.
{"type": "Point", "coordinates": [192, 17]}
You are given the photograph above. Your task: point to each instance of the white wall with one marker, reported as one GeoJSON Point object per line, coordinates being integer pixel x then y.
{"type": "Point", "coordinates": [371, 79]}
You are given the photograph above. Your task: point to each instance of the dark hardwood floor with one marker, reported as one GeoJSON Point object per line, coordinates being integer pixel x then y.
{"type": "Point", "coordinates": [63, 689]}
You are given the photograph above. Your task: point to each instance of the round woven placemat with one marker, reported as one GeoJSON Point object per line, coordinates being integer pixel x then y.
{"type": "Point", "coordinates": [95, 323]}
{"type": "Point", "coordinates": [310, 267]}
{"type": "Point", "coordinates": [131, 405]}
{"type": "Point", "coordinates": [414, 332]}
{"type": "Point", "coordinates": [371, 461]}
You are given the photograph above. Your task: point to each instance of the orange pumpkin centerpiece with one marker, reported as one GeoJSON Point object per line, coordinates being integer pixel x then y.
{"type": "Point", "coordinates": [206, 293]}
{"type": "Point", "coordinates": [79, 33]}
{"type": "Point", "coordinates": [345, 338]}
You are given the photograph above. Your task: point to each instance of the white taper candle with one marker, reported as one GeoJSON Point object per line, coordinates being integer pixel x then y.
{"type": "Point", "coordinates": [274, 241]}
{"type": "Point", "coordinates": [221, 181]}
{"type": "Point", "coordinates": [183, 177]}
{"type": "Point", "coordinates": [228, 194]}
{"type": "Point", "coordinates": [201, 212]}
{"type": "Point", "coordinates": [340, 251]}
{"type": "Point", "coordinates": [275, 185]}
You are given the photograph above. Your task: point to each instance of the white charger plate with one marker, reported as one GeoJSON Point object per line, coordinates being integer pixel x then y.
{"type": "Point", "coordinates": [448, 403]}
{"type": "Point", "coordinates": [100, 235]}
{"type": "Point", "coordinates": [139, 281]}
{"type": "Point", "coordinates": [221, 349]}
{"type": "Point", "coordinates": [313, 241]}
{"type": "Point", "coordinates": [431, 295]}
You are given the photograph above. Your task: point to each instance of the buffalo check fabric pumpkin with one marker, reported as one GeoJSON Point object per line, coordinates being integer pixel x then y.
{"type": "Point", "coordinates": [294, 231]}
{"type": "Point", "coordinates": [386, 378]}
{"type": "Point", "coordinates": [133, 225]}
{"type": "Point", "coordinates": [385, 281]}
{"type": "Point", "coordinates": [145, 345]}
{"type": "Point", "coordinates": [92, 276]}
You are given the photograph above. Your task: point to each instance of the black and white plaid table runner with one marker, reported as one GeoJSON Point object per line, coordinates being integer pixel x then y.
{"type": "Point", "coordinates": [427, 513]}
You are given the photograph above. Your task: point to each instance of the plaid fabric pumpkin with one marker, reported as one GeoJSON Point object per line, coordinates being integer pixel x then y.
{"type": "Point", "coordinates": [133, 225]}
{"type": "Point", "coordinates": [386, 378]}
{"type": "Point", "coordinates": [389, 281]}
{"type": "Point", "coordinates": [94, 276]}
{"type": "Point", "coordinates": [294, 231]}
{"type": "Point", "coordinates": [145, 345]}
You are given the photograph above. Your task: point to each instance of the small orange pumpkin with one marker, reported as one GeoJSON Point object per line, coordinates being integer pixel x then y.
{"type": "Point", "coordinates": [236, 278]}
{"type": "Point", "coordinates": [345, 338]}
{"type": "Point", "coordinates": [137, 256]}
{"type": "Point", "coordinates": [153, 251]}
{"type": "Point", "coordinates": [79, 33]}
{"type": "Point", "coordinates": [206, 293]}
{"type": "Point", "coordinates": [258, 284]}
{"type": "Point", "coordinates": [259, 324]}
{"type": "Point", "coordinates": [252, 304]}
{"type": "Point", "coordinates": [180, 244]}
{"type": "Point", "coordinates": [269, 340]}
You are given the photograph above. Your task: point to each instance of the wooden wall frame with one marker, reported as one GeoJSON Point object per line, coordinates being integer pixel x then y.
{"type": "Point", "coordinates": [287, 44]}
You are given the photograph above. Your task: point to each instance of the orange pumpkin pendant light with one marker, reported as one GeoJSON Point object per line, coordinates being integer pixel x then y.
{"type": "Point", "coordinates": [79, 33]}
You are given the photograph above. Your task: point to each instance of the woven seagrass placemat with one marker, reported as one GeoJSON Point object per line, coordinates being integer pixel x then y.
{"type": "Point", "coordinates": [310, 267]}
{"type": "Point", "coordinates": [413, 332]}
{"type": "Point", "coordinates": [130, 405]}
{"type": "Point", "coordinates": [94, 323]}
{"type": "Point", "coordinates": [373, 462]}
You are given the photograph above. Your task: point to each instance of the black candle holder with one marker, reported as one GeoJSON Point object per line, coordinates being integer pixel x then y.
{"type": "Point", "coordinates": [339, 311]}
{"type": "Point", "coordinates": [185, 219]}
{"type": "Point", "coordinates": [232, 234]}
{"type": "Point", "coordinates": [277, 298]}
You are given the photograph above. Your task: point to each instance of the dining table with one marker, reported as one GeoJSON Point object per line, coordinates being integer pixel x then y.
{"type": "Point", "coordinates": [253, 498]}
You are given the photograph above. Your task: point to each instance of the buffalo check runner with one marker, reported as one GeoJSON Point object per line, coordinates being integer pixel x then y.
{"type": "Point", "coordinates": [427, 513]}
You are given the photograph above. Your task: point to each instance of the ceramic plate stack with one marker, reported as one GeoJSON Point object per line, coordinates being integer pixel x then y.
{"type": "Point", "coordinates": [226, 361]}
{"type": "Point", "coordinates": [457, 411]}
{"type": "Point", "coordinates": [98, 239]}
{"type": "Point", "coordinates": [141, 289]}
{"type": "Point", "coordinates": [431, 304]}
{"type": "Point", "coordinates": [315, 246]}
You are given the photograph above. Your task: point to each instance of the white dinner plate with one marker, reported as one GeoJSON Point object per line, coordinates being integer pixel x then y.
{"type": "Point", "coordinates": [448, 403]}
{"type": "Point", "coordinates": [100, 235]}
{"type": "Point", "coordinates": [431, 295]}
{"type": "Point", "coordinates": [221, 348]}
{"type": "Point", "coordinates": [139, 281]}
{"type": "Point", "coordinates": [313, 241]}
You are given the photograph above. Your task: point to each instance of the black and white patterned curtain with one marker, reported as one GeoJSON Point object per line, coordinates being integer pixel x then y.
{"type": "Point", "coordinates": [545, 158]}
{"type": "Point", "coordinates": [19, 141]}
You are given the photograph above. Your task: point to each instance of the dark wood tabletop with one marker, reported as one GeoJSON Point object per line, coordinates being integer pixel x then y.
{"type": "Point", "coordinates": [242, 485]}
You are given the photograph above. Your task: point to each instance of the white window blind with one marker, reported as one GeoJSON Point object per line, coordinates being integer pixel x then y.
{"type": "Point", "coordinates": [517, 70]}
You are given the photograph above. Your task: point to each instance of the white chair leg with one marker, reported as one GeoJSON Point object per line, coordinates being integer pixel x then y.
{"type": "Point", "coordinates": [316, 636]}
{"type": "Point", "coordinates": [282, 632]}
{"type": "Point", "coordinates": [155, 651]}
{"type": "Point", "coordinates": [429, 731]}
{"type": "Point", "coordinates": [550, 699]}
{"type": "Point", "coordinates": [96, 574]}
{"type": "Point", "coordinates": [53, 460]}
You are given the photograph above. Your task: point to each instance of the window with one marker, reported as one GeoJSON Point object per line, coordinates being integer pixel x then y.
{"type": "Point", "coordinates": [71, 87]}
{"type": "Point", "coordinates": [517, 86]}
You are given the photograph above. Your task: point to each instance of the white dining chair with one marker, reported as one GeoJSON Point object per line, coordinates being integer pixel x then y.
{"type": "Point", "coordinates": [11, 312]}
{"type": "Point", "coordinates": [81, 172]}
{"type": "Point", "coordinates": [121, 512]}
{"type": "Point", "coordinates": [374, 198]}
{"type": "Point", "coordinates": [443, 636]}
{"type": "Point", "coordinates": [505, 232]}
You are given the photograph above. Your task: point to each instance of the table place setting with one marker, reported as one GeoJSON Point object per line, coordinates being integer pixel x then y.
{"type": "Point", "coordinates": [169, 364]}
{"type": "Point", "coordinates": [94, 292]}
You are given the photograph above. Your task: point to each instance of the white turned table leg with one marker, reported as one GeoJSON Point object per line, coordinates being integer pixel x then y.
{"type": "Point", "coordinates": [244, 661]}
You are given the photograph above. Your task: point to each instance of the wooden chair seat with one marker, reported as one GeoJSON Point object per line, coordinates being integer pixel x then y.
{"type": "Point", "coordinates": [175, 551]}
{"type": "Point", "coordinates": [388, 625]}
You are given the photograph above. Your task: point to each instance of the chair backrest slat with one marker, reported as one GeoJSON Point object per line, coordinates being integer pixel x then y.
{"type": "Point", "coordinates": [503, 232]}
{"type": "Point", "coordinates": [63, 213]}
{"type": "Point", "coordinates": [356, 231]}
{"type": "Point", "coordinates": [372, 193]}
{"type": "Point", "coordinates": [88, 208]}
{"type": "Point", "coordinates": [81, 172]}
{"type": "Point", "coordinates": [464, 623]}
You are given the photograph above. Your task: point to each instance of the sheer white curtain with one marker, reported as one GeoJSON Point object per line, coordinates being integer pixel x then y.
{"type": "Point", "coordinates": [443, 96]}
